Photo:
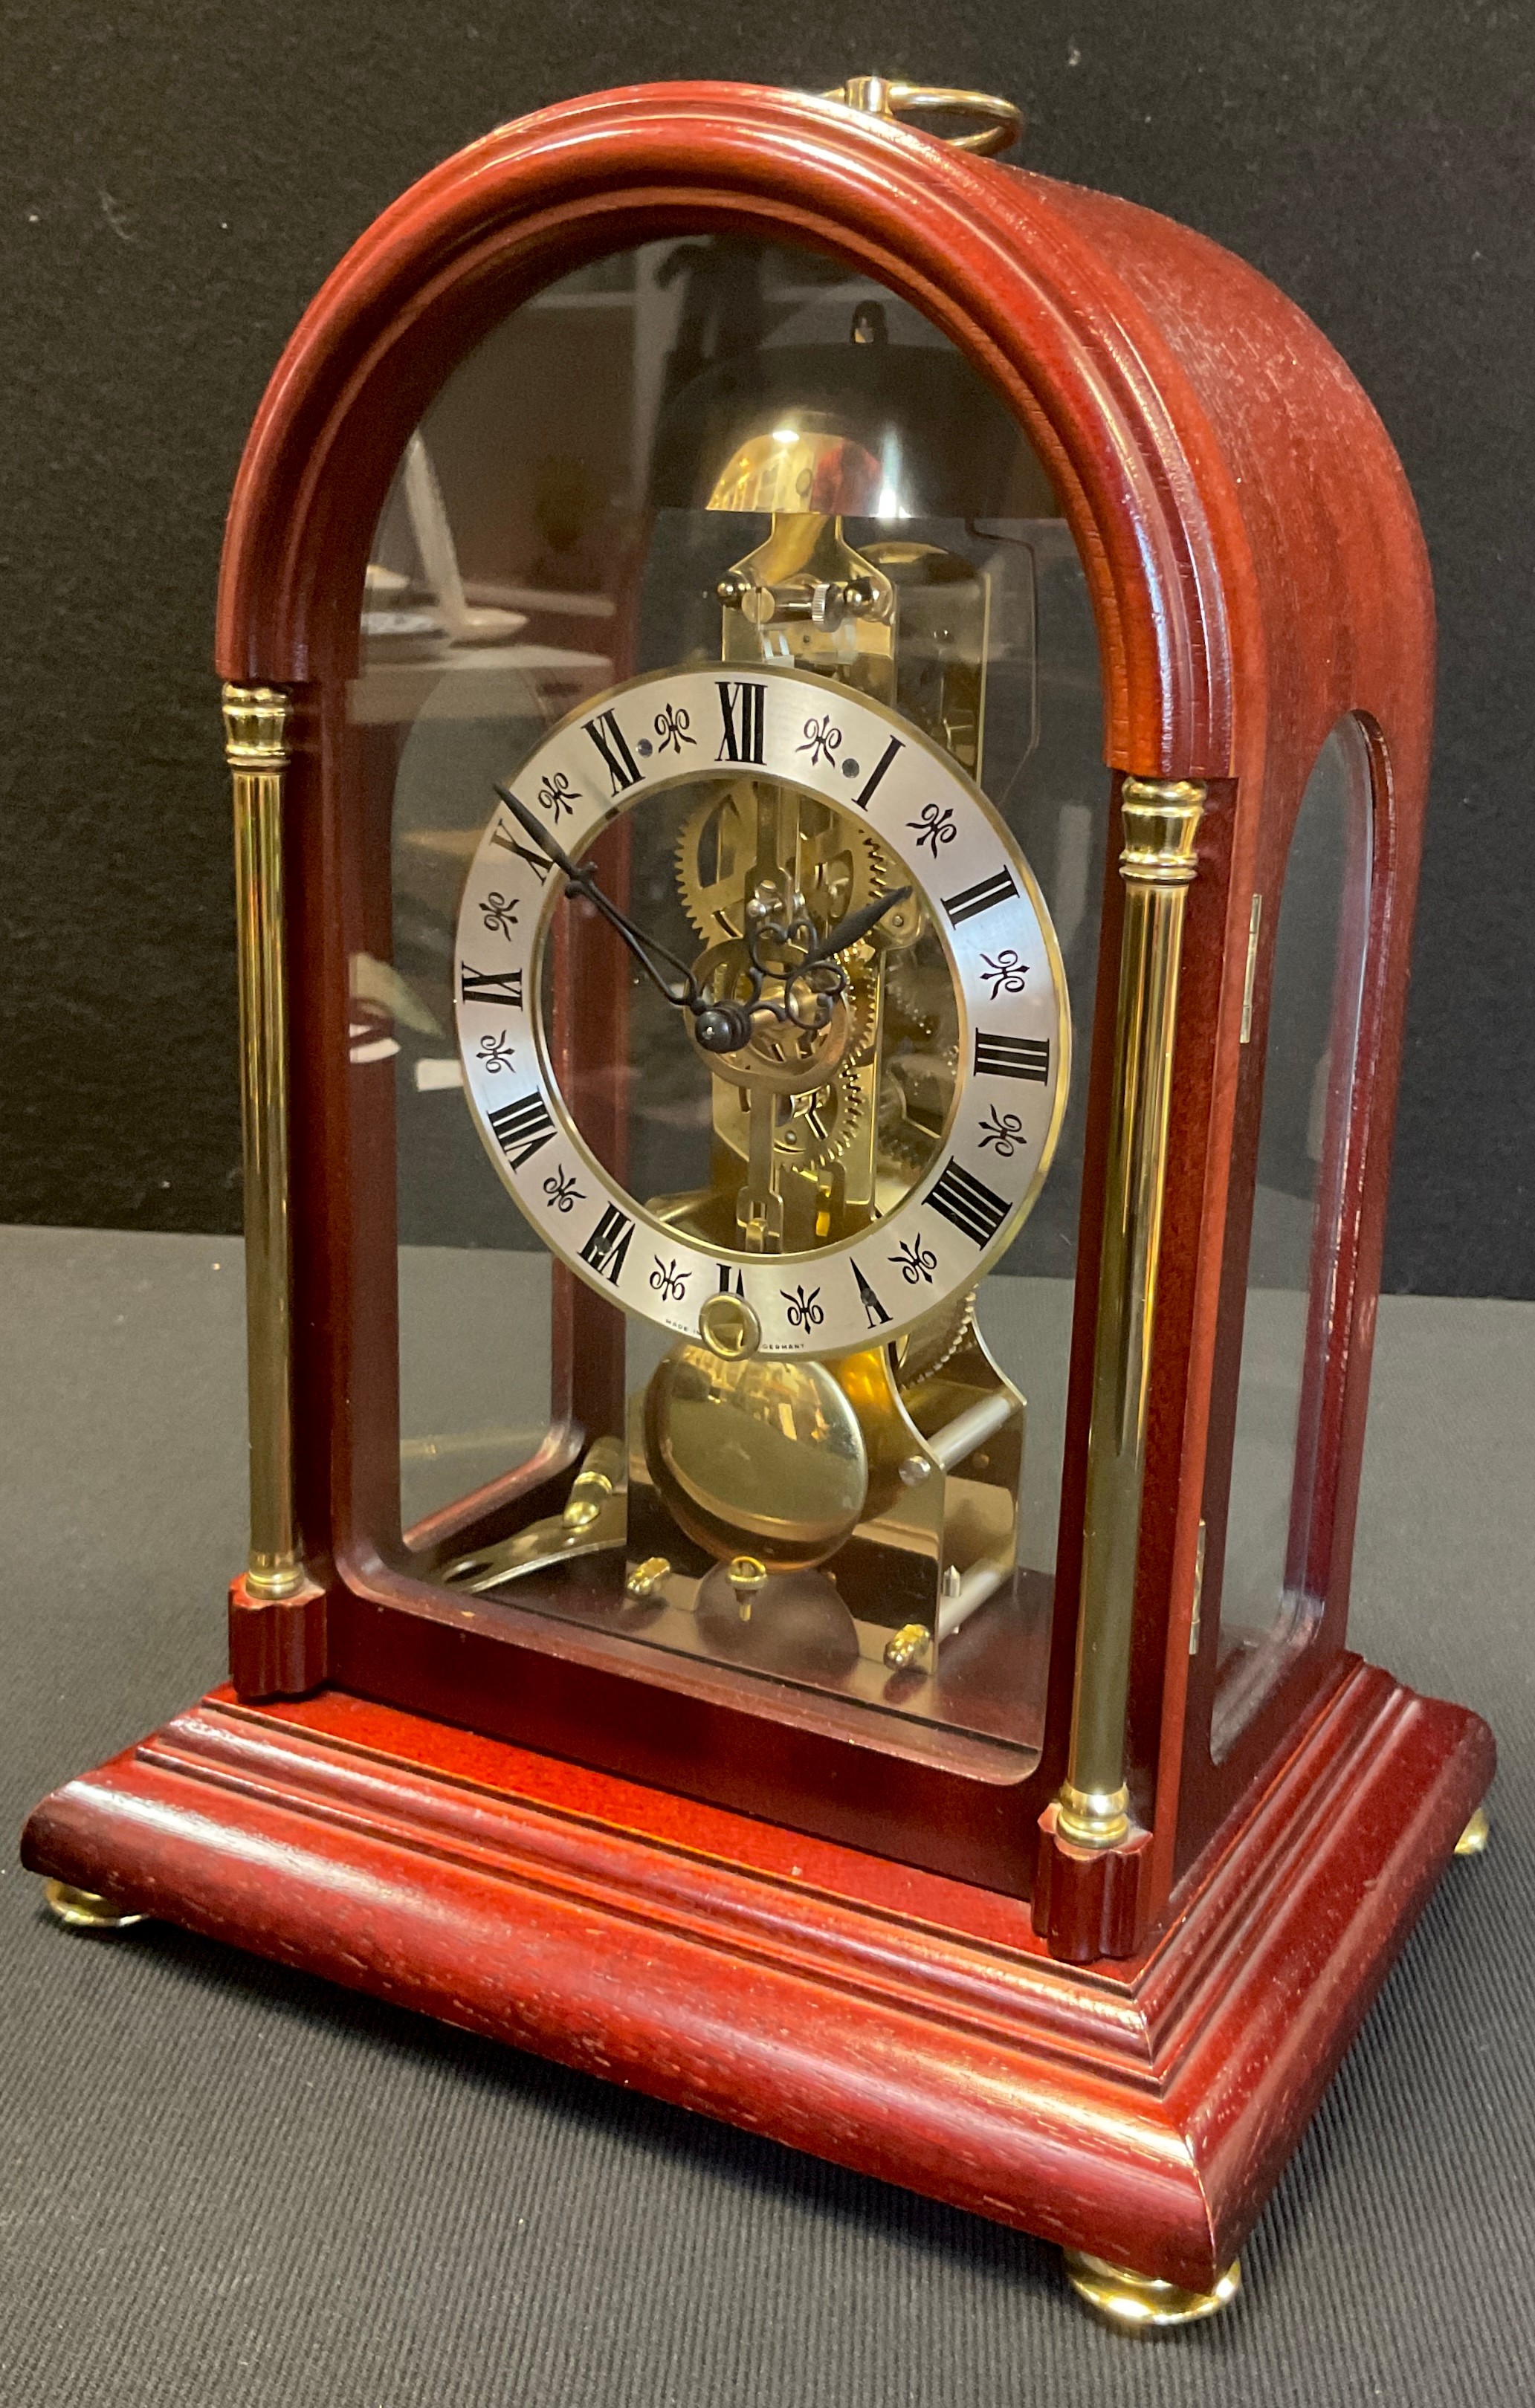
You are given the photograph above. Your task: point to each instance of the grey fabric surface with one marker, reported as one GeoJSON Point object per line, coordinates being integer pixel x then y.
{"type": "Point", "coordinates": [221, 2183]}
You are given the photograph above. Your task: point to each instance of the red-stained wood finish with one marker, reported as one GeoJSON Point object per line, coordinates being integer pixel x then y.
{"type": "Point", "coordinates": [1256, 573]}
{"type": "Point", "coordinates": [912, 2027]}
{"type": "Point", "coordinates": [758, 1902]}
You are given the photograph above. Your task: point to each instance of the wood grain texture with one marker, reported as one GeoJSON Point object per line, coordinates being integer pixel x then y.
{"type": "Point", "coordinates": [1256, 572]}
{"type": "Point", "coordinates": [987, 255]}
{"type": "Point", "coordinates": [912, 2028]}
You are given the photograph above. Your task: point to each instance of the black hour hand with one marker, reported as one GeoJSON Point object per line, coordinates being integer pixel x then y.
{"type": "Point", "coordinates": [857, 924]}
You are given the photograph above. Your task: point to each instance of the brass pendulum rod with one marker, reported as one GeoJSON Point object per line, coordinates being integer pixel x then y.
{"type": "Point", "coordinates": [256, 720]}
{"type": "Point", "coordinates": [1161, 819]}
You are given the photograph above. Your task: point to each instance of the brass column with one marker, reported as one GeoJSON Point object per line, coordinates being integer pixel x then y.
{"type": "Point", "coordinates": [256, 720]}
{"type": "Point", "coordinates": [1161, 821]}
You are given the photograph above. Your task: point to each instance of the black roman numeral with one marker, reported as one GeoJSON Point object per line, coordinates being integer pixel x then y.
{"type": "Point", "coordinates": [982, 897]}
{"type": "Point", "coordinates": [489, 986]}
{"type": "Point", "coordinates": [522, 1128]}
{"type": "Point", "coordinates": [608, 1242]}
{"type": "Point", "coordinates": [970, 1206]}
{"type": "Point", "coordinates": [880, 766]}
{"type": "Point", "coordinates": [874, 1312]}
{"type": "Point", "coordinates": [610, 742]}
{"type": "Point", "coordinates": [539, 862]}
{"type": "Point", "coordinates": [1012, 1058]}
{"type": "Point", "coordinates": [742, 704]}
{"type": "Point", "coordinates": [726, 1277]}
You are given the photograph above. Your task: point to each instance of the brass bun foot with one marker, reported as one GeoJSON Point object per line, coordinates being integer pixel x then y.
{"type": "Point", "coordinates": [83, 1911]}
{"type": "Point", "coordinates": [1141, 2303]}
{"type": "Point", "coordinates": [1474, 1838]}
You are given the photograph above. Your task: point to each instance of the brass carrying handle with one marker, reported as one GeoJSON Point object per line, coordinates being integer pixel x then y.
{"type": "Point", "coordinates": [878, 96]}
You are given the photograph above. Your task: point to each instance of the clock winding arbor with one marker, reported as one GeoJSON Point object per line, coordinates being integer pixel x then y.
{"type": "Point", "coordinates": [985, 1845]}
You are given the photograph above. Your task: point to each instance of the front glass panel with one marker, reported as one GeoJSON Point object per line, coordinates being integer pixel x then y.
{"type": "Point", "coordinates": [1274, 1580]}
{"type": "Point", "coordinates": [719, 569]}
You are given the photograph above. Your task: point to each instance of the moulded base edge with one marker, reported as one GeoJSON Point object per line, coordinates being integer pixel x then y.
{"type": "Point", "coordinates": [907, 2025]}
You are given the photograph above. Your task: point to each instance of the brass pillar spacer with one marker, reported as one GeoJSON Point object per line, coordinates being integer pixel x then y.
{"type": "Point", "coordinates": [1093, 1818]}
{"type": "Point", "coordinates": [256, 746]}
{"type": "Point", "coordinates": [276, 1586]}
{"type": "Point", "coordinates": [1161, 819]}
{"type": "Point", "coordinates": [1139, 2302]}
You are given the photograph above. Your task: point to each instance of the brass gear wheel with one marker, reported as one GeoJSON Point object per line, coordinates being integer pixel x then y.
{"type": "Point", "coordinates": [918, 996]}
{"type": "Point", "coordinates": [915, 1094]}
{"type": "Point", "coordinates": [863, 1001]}
{"type": "Point", "coordinates": [846, 866]}
{"type": "Point", "coordinates": [906, 1145]}
{"type": "Point", "coordinates": [934, 1341]}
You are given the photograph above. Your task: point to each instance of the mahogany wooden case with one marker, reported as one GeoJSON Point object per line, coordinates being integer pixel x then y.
{"type": "Point", "coordinates": [1258, 574]}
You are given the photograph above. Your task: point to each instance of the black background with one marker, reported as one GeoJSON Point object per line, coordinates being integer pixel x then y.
{"type": "Point", "coordinates": [178, 181]}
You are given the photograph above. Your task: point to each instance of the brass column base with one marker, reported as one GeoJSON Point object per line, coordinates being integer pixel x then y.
{"type": "Point", "coordinates": [83, 1911]}
{"type": "Point", "coordinates": [1141, 2303]}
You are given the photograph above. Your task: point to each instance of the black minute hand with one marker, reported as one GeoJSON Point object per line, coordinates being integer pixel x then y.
{"type": "Point", "coordinates": [681, 991]}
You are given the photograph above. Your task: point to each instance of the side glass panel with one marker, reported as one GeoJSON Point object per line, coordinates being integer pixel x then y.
{"type": "Point", "coordinates": [713, 452]}
{"type": "Point", "coordinates": [1274, 1580]}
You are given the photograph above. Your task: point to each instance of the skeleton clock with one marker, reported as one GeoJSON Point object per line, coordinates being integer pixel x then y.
{"type": "Point", "coordinates": [829, 743]}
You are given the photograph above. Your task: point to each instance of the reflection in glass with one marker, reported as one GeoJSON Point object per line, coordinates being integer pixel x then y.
{"type": "Point", "coordinates": [676, 456]}
{"type": "Point", "coordinates": [1275, 1574]}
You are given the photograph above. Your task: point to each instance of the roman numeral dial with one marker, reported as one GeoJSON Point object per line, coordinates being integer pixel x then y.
{"type": "Point", "coordinates": [968, 1204]}
{"type": "Point", "coordinates": [608, 1246]}
{"type": "Point", "coordinates": [1011, 1057]}
{"type": "Point", "coordinates": [613, 745]}
{"type": "Point", "coordinates": [520, 1128]}
{"type": "Point", "coordinates": [539, 862]}
{"type": "Point", "coordinates": [501, 987]}
{"type": "Point", "coordinates": [874, 1312]}
{"type": "Point", "coordinates": [879, 1149]}
{"type": "Point", "coordinates": [875, 777]}
{"type": "Point", "coordinates": [984, 895]}
{"type": "Point", "coordinates": [741, 715]}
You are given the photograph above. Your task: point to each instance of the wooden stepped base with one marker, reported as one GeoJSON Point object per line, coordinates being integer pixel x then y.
{"type": "Point", "coordinates": [895, 2022]}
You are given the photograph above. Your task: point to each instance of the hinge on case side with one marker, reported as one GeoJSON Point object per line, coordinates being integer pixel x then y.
{"type": "Point", "coordinates": [1254, 923]}
{"type": "Point", "coordinates": [1198, 1591]}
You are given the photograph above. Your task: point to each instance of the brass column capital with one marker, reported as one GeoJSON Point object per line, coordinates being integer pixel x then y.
{"type": "Point", "coordinates": [1161, 821]}
{"type": "Point", "coordinates": [255, 727]}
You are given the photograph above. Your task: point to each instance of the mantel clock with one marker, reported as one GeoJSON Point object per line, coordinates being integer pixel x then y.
{"type": "Point", "coordinates": [829, 743]}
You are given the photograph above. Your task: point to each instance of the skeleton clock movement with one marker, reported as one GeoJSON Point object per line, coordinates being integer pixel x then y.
{"type": "Point", "coordinates": [829, 744]}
